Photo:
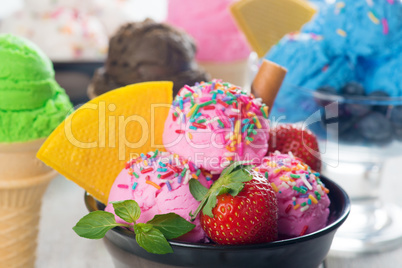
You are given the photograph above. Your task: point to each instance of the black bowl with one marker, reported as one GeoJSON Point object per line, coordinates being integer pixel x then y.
{"type": "Point", "coordinates": [306, 251]}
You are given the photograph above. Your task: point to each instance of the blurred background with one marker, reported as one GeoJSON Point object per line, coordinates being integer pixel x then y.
{"type": "Point", "coordinates": [75, 34]}
{"type": "Point", "coordinates": [94, 50]}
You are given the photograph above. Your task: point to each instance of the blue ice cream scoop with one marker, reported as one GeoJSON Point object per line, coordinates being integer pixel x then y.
{"type": "Point", "coordinates": [315, 25]}
{"type": "Point", "coordinates": [361, 27]}
{"type": "Point", "coordinates": [386, 77]}
{"type": "Point", "coordinates": [309, 66]}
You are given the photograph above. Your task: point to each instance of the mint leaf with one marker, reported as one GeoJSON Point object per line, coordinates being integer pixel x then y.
{"type": "Point", "coordinates": [128, 210]}
{"type": "Point", "coordinates": [96, 224]}
{"type": "Point", "coordinates": [143, 227]}
{"type": "Point", "coordinates": [171, 225]}
{"type": "Point", "coordinates": [151, 239]}
{"type": "Point", "coordinates": [197, 189]}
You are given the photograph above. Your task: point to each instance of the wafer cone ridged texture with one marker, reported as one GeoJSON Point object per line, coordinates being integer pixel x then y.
{"type": "Point", "coordinates": [23, 181]}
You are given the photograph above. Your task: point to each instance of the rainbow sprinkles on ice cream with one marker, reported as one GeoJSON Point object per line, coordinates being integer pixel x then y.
{"type": "Point", "coordinates": [158, 181]}
{"type": "Point", "coordinates": [302, 198]}
{"type": "Point", "coordinates": [214, 123]}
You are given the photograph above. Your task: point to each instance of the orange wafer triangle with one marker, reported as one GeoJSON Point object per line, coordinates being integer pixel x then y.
{"type": "Point", "coordinates": [92, 145]}
{"type": "Point", "coordinates": [265, 22]}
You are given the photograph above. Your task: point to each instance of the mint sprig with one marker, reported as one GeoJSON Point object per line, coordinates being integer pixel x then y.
{"type": "Point", "coordinates": [231, 181]}
{"type": "Point", "coordinates": [128, 210]}
{"type": "Point", "coordinates": [151, 239]}
{"type": "Point", "coordinates": [171, 225]}
{"type": "Point", "coordinates": [96, 224]}
{"type": "Point", "coordinates": [152, 236]}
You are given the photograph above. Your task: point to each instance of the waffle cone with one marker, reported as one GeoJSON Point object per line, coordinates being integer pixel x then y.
{"type": "Point", "coordinates": [23, 181]}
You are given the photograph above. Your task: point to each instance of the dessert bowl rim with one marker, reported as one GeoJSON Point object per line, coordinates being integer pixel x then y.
{"type": "Point", "coordinates": [275, 244]}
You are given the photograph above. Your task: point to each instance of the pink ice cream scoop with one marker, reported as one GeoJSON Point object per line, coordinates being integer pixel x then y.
{"type": "Point", "coordinates": [302, 198]}
{"type": "Point", "coordinates": [213, 123]}
{"type": "Point", "coordinates": [159, 184]}
{"type": "Point", "coordinates": [210, 23]}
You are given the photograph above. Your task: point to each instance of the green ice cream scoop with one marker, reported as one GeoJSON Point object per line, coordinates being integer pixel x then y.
{"type": "Point", "coordinates": [32, 104]}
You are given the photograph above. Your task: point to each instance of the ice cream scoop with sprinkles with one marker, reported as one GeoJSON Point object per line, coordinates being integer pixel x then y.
{"type": "Point", "coordinates": [158, 182]}
{"type": "Point", "coordinates": [303, 203]}
{"type": "Point", "coordinates": [214, 123]}
{"type": "Point", "coordinates": [360, 27]}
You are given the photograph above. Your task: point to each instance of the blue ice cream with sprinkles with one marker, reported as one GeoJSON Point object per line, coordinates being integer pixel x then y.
{"type": "Point", "coordinates": [309, 66]}
{"type": "Point", "coordinates": [362, 27]}
{"type": "Point", "coordinates": [346, 41]}
{"type": "Point", "coordinates": [386, 77]}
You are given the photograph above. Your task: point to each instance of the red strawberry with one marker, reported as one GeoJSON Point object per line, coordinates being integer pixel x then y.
{"type": "Point", "coordinates": [240, 208]}
{"type": "Point", "coordinates": [301, 142]}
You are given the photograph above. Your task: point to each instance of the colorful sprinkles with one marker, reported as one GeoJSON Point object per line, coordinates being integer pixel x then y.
{"type": "Point", "coordinates": [290, 174]}
{"type": "Point", "coordinates": [164, 168]}
{"type": "Point", "coordinates": [341, 32]}
{"type": "Point", "coordinates": [371, 14]}
{"type": "Point", "coordinates": [223, 108]}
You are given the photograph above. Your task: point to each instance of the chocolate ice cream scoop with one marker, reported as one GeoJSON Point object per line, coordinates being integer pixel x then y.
{"type": "Point", "coordinates": [148, 51]}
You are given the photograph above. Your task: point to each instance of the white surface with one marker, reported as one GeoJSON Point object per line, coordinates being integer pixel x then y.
{"type": "Point", "coordinates": [8, 7]}
{"type": "Point", "coordinates": [58, 245]}
{"type": "Point", "coordinates": [64, 205]}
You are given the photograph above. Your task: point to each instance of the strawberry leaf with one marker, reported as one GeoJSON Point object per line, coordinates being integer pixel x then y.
{"type": "Point", "coordinates": [235, 188]}
{"type": "Point", "coordinates": [240, 175]}
{"type": "Point", "coordinates": [233, 166]}
{"type": "Point", "coordinates": [128, 210]}
{"type": "Point", "coordinates": [210, 204]}
{"type": "Point", "coordinates": [197, 189]}
{"type": "Point", "coordinates": [231, 181]}
{"type": "Point", "coordinates": [171, 225]}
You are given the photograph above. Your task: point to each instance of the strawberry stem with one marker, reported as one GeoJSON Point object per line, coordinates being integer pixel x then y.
{"type": "Point", "coordinates": [231, 181]}
{"type": "Point", "coordinates": [197, 211]}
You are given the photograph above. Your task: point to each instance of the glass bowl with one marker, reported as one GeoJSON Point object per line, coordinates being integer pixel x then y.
{"type": "Point", "coordinates": [306, 251]}
{"type": "Point", "coordinates": [356, 135]}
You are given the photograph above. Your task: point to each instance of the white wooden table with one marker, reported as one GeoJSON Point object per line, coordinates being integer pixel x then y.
{"type": "Point", "coordinates": [63, 206]}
